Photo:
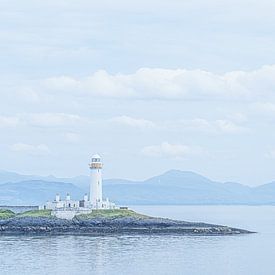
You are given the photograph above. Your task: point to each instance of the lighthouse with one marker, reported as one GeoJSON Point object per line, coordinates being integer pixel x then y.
{"type": "Point", "coordinates": [69, 208]}
{"type": "Point", "coordinates": [96, 182]}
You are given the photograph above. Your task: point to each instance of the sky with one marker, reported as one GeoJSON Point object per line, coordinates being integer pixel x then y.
{"type": "Point", "coordinates": [149, 85]}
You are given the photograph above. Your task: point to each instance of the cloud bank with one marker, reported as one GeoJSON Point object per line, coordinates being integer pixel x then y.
{"type": "Point", "coordinates": [133, 122]}
{"type": "Point", "coordinates": [30, 149]}
{"type": "Point", "coordinates": [176, 84]}
{"type": "Point", "coordinates": [169, 150]}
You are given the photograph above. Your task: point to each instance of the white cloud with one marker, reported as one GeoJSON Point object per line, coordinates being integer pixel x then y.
{"type": "Point", "coordinates": [34, 150]}
{"type": "Point", "coordinates": [46, 120]}
{"type": "Point", "coordinates": [51, 119]}
{"type": "Point", "coordinates": [229, 127]}
{"type": "Point", "coordinates": [8, 121]}
{"type": "Point", "coordinates": [133, 122]}
{"type": "Point", "coordinates": [216, 126]}
{"type": "Point", "coordinates": [184, 84]}
{"type": "Point", "coordinates": [56, 120]}
{"type": "Point", "coordinates": [166, 149]}
{"type": "Point", "coordinates": [270, 154]}
{"type": "Point", "coordinates": [238, 117]}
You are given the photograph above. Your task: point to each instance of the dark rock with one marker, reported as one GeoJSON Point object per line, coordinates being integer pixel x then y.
{"type": "Point", "coordinates": [121, 225]}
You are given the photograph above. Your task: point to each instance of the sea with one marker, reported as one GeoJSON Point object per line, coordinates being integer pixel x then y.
{"type": "Point", "coordinates": [144, 254]}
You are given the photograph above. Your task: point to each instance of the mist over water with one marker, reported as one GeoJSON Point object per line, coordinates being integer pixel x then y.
{"type": "Point", "coordinates": [246, 254]}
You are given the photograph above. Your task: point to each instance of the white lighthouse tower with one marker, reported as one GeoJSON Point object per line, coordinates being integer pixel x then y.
{"type": "Point", "coordinates": [96, 182]}
{"type": "Point", "coordinates": [68, 208]}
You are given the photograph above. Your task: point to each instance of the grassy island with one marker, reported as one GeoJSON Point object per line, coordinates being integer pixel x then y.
{"type": "Point", "coordinates": [112, 214]}
{"type": "Point", "coordinates": [105, 221]}
{"type": "Point", "coordinates": [6, 214]}
{"type": "Point", "coordinates": [99, 213]}
{"type": "Point", "coordinates": [36, 214]}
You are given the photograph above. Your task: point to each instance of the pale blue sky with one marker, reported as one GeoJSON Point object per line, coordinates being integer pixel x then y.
{"type": "Point", "coordinates": [149, 85]}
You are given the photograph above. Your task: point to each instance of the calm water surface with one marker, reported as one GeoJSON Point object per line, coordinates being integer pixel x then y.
{"type": "Point", "coordinates": [247, 254]}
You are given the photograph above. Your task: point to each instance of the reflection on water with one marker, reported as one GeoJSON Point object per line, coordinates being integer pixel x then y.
{"type": "Point", "coordinates": [248, 254]}
{"type": "Point", "coordinates": [84, 254]}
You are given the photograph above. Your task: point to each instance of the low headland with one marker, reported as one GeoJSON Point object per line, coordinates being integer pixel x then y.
{"type": "Point", "coordinates": [104, 222]}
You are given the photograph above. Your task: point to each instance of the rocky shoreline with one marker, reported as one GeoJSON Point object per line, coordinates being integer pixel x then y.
{"type": "Point", "coordinates": [113, 225]}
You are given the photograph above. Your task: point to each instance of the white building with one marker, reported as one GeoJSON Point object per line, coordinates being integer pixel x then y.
{"type": "Point", "coordinates": [68, 208]}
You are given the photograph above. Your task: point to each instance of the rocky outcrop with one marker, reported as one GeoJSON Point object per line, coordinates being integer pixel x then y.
{"type": "Point", "coordinates": [119, 225]}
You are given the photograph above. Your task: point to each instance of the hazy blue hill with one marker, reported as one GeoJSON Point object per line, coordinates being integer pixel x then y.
{"type": "Point", "coordinates": [268, 187]}
{"type": "Point", "coordinates": [237, 186]}
{"type": "Point", "coordinates": [11, 177]}
{"type": "Point", "coordinates": [119, 181]}
{"type": "Point", "coordinates": [180, 178]}
{"type": "Point", "coordinates": [35, 192]}
{"type": "Point", "coordinates": [179, 187]}
{"type": "Point", "coordinates": [266, 192]}
{"type": "Point", "coordinates": [6, 176]}
{"type": "Point", "coordinates": [172, 187]}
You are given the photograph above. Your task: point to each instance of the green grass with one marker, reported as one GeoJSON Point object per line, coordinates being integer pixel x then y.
{"type": "Point", "coordinates": [6, 214]}
{"type": "Point", "coordinates": [36, 214]}
{"type": "Point", "coordinates": [112, 214]}
{"type": "Point", "coordinates": [101, 213]}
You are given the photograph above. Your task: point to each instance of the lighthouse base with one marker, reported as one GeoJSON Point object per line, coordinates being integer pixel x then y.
{"type": "Point", "coordinates": [67, 209]}
{"type": "Point", "coordinates": [103, 205]}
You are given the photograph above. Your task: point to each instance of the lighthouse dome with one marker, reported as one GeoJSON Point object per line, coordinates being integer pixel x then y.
{"type": "Point", "coordinates": [96, 158]}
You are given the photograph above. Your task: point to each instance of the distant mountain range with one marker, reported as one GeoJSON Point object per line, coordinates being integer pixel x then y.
{"type": "Point", "coordinates": [172, 187]}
